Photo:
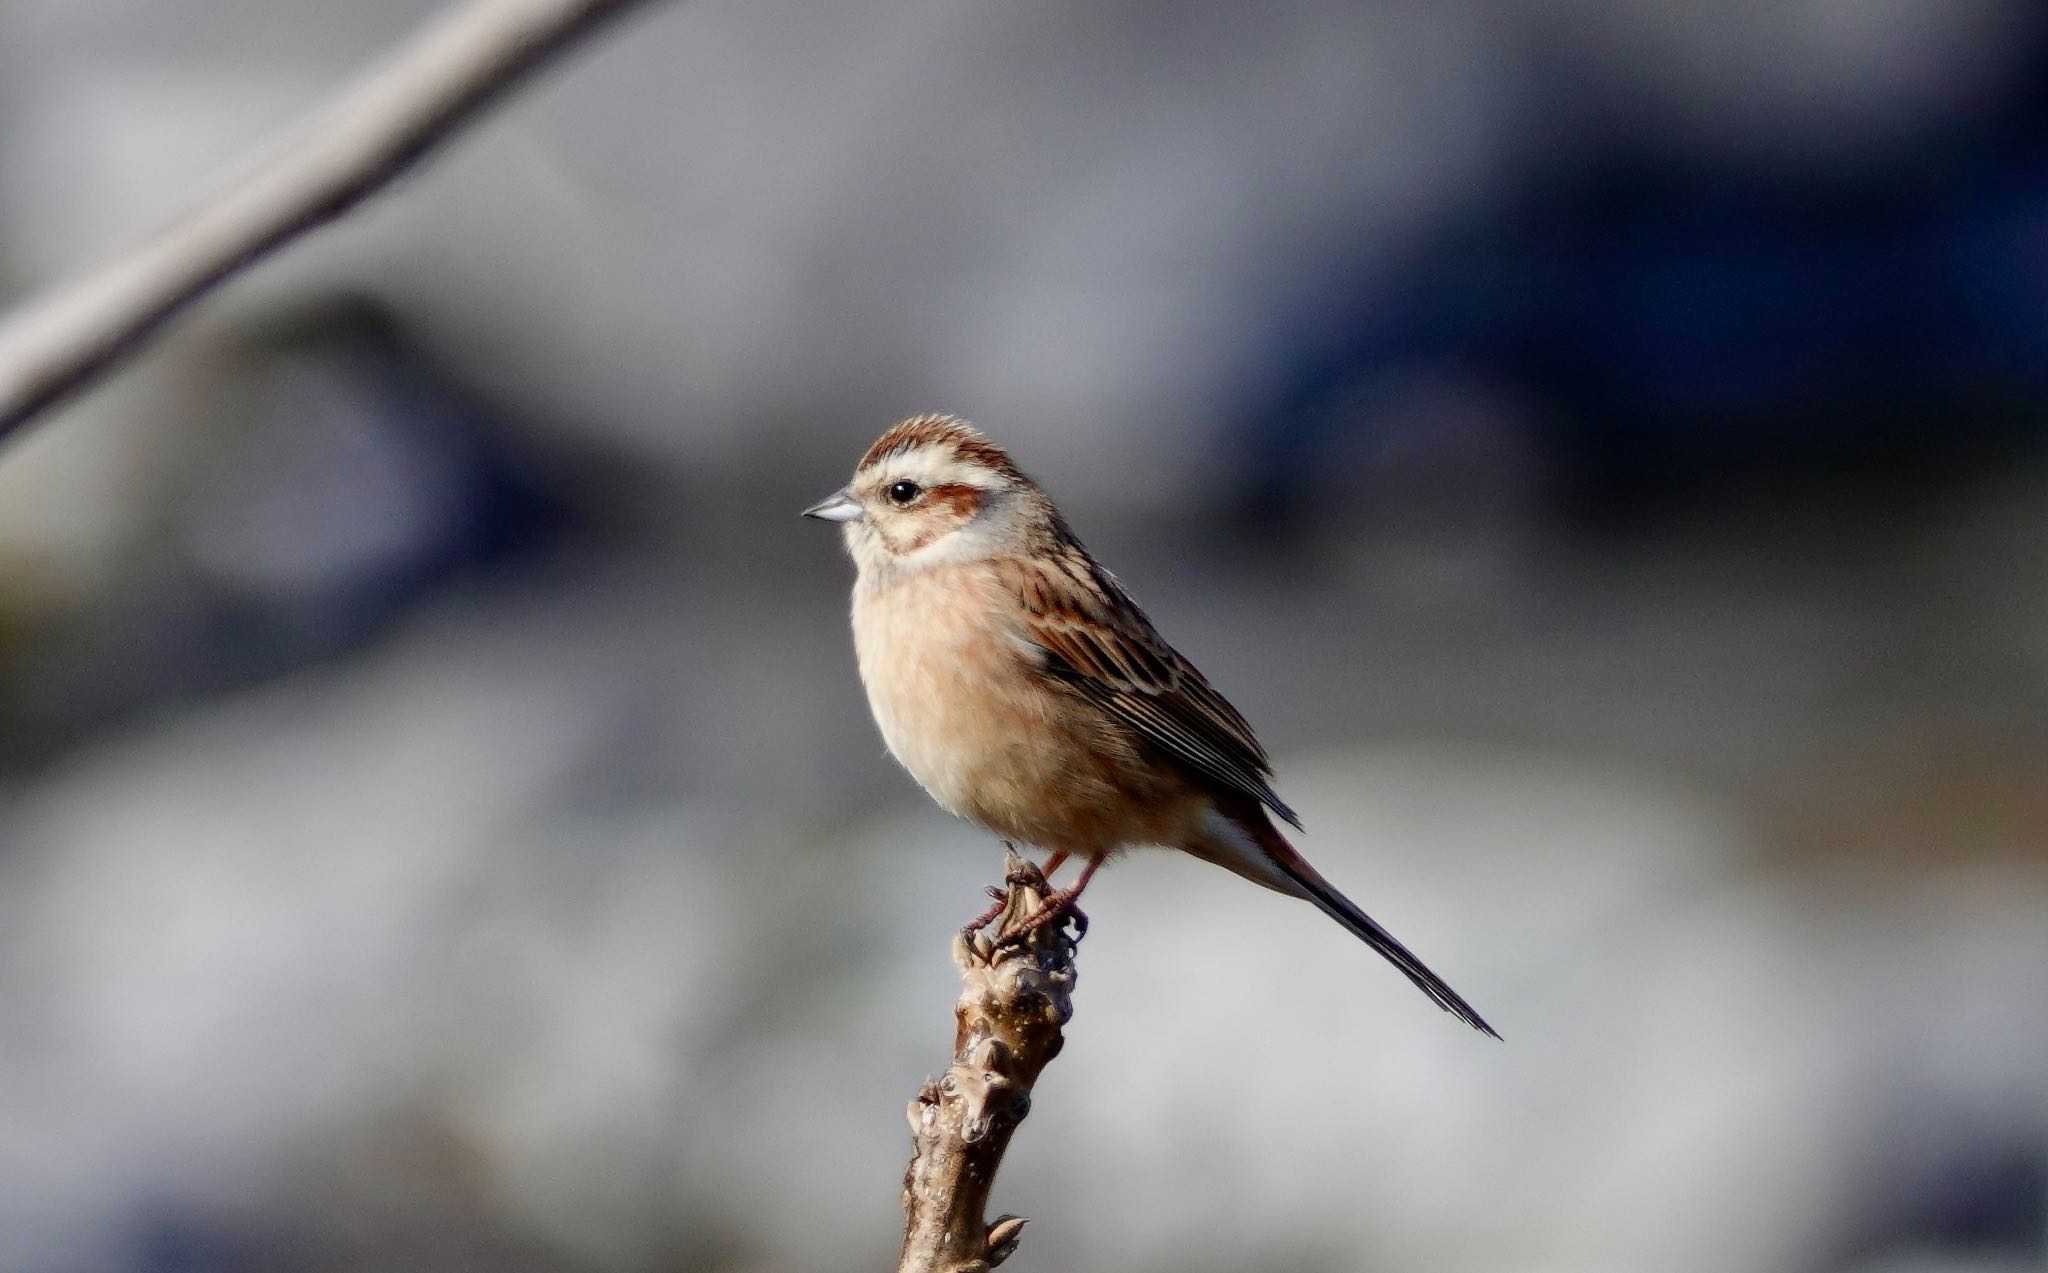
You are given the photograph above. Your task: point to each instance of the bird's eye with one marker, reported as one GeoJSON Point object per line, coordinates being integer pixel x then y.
{"type": "Point", "coordinates": [904, 492]}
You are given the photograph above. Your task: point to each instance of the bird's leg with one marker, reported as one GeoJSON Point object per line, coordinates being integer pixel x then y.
{"type": "Point", "coordinates": [1053, 863]}
{"type": "Point", "coordinates": [1057, 906]}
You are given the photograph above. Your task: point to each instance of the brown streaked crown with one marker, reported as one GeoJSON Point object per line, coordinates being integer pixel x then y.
{"type": "Point", "coordinates": [942, 430]}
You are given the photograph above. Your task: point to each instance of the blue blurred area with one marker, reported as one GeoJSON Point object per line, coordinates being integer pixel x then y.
{"type": "Point", "coordinates": [1679, 327]}
{"type": "Point", "coordinates": [359, 480]}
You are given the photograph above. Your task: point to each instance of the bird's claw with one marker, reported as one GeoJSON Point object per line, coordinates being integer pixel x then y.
{"type": "Point", "coordinates": [1056, 909]}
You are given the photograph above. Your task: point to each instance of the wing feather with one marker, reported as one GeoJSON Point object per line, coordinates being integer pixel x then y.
{"type": "Point", "coordinates": [1096, 640]}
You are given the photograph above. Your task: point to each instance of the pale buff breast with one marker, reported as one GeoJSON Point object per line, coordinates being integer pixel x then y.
{"type": "Point", "coordinates": [963, 710]}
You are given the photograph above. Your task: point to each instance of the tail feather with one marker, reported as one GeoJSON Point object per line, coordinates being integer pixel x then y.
{"type": "Point", "coordinates": [1366, 929]}
{"type": "Point", "coordinates": [1279, 866]}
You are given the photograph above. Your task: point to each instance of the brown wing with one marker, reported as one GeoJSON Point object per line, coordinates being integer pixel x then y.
{"type": "Point", "coordinates": [1096, 639]}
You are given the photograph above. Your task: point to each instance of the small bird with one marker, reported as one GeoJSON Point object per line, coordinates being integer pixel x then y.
{"type": "Point", "coordinates": [1025, 691]}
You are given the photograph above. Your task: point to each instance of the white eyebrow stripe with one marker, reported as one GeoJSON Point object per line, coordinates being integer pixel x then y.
{"type": "Point", "coordinates": [937, 466]}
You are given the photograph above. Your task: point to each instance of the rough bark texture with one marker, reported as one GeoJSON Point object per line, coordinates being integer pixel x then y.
{"type": "Point", "coordinates": [1014, 1000]}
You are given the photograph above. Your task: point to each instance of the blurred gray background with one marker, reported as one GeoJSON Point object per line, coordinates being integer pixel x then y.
{"type": "Point", "coordinates": [1599, 444]}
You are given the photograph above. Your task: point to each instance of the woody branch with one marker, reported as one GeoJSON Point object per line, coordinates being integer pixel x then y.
{"type": "Point", "coordinates": [1014, 1000]}
{"type": "Point", "coordinates": [59, 342]}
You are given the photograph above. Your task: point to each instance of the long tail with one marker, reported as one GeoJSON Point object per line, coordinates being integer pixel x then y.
{"type": "Point", "coordinates": [1278, 866]}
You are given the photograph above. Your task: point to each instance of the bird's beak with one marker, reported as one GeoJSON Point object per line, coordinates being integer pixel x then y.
{"type": "Point", "coordinates": [836, 507]}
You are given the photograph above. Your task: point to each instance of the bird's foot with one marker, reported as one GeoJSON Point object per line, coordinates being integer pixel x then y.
{"type": "Point", "coordinates": [1025, 876]}
{"type": "Point", "coordinates": [987, 917]}
{"type": "Point", "coordinates": [1057, 908]}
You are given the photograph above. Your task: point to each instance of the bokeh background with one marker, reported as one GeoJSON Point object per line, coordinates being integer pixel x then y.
{"type": "Point", "coordinates": [1599, 444]}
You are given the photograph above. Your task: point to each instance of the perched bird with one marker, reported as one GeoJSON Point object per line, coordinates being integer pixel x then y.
{"type": "Point", "coordinates": [1025, 691]}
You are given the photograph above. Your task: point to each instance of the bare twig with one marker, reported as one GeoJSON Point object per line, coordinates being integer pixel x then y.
{"type": "Point", "coordinates": [1014, 999]}
{"type": "Point", "coordinates": [59, 342]}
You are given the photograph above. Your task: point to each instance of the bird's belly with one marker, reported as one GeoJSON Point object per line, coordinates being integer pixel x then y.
{"type": "Point", "coordinates": [950, 702]}
{"type": "Point", "coordinates": [963, 709]}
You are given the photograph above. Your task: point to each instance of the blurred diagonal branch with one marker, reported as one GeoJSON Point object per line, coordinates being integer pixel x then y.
{"type": "Point", "coordinates": [1014, 1001]}
{"type": "Point", "coordinates": [61, 341]}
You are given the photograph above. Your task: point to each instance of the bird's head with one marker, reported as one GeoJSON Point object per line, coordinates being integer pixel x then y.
{"type": "Point", "coordinates": [933, 490]}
